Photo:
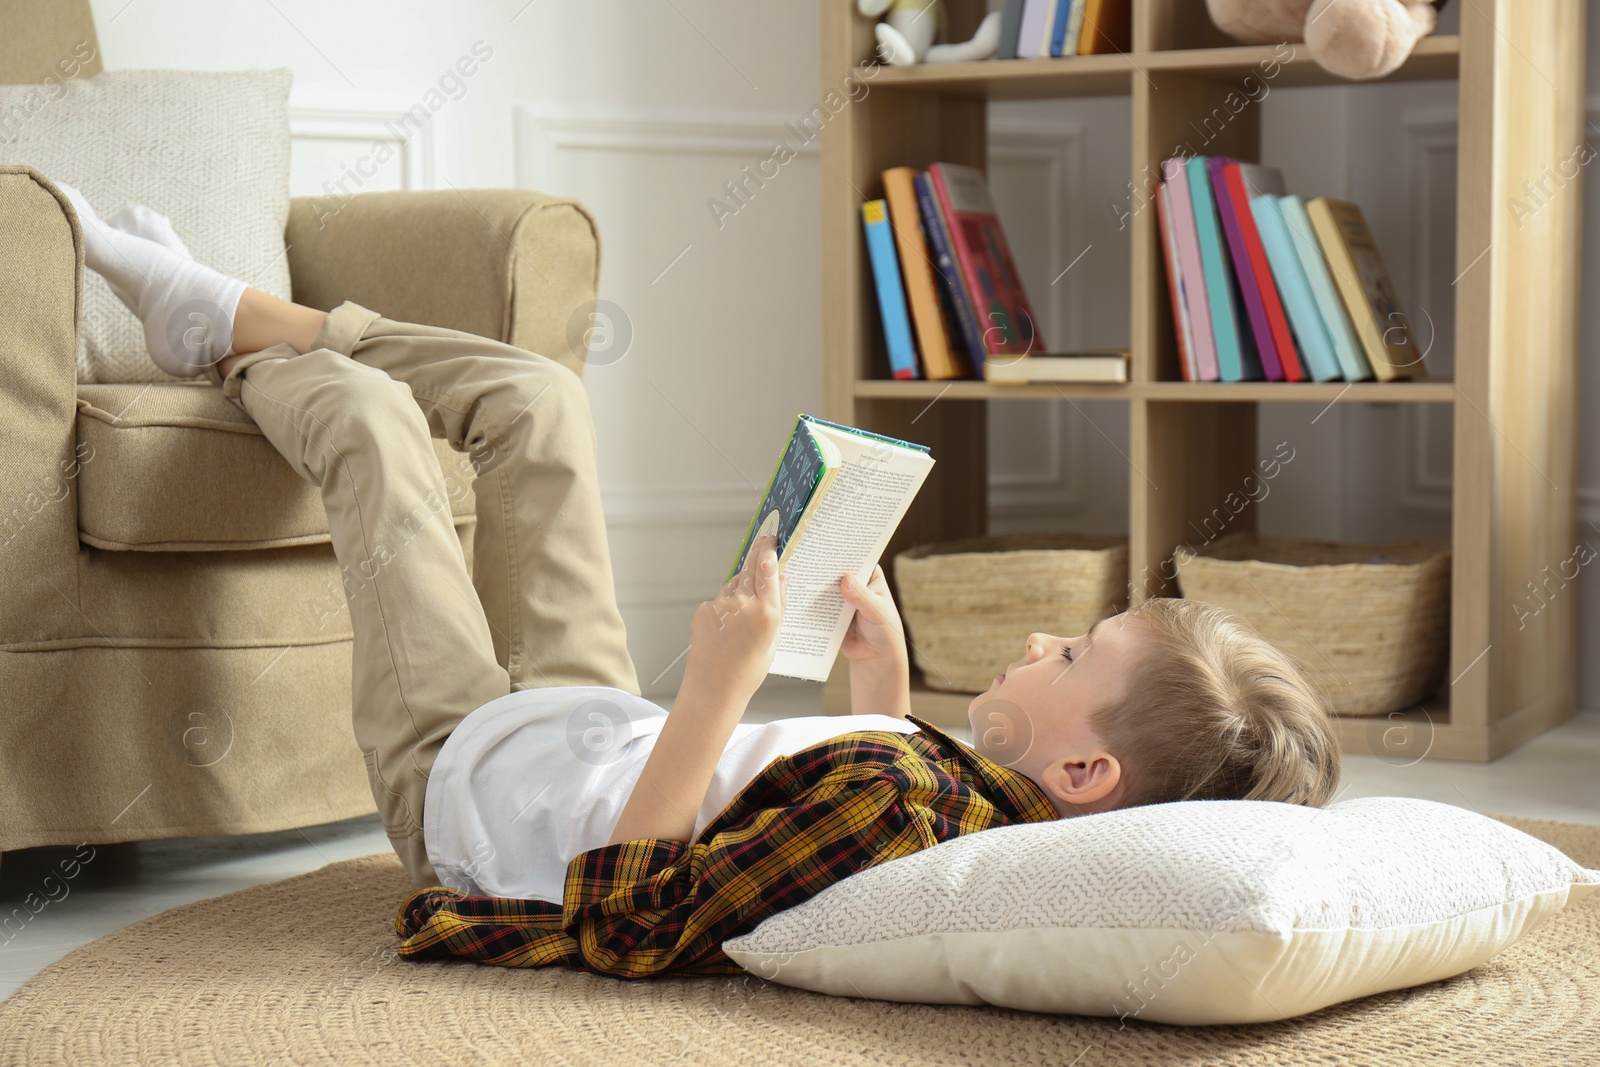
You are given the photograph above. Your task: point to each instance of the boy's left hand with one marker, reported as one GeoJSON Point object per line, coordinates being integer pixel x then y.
{"type": "Point", "coordinates": [876, 633]}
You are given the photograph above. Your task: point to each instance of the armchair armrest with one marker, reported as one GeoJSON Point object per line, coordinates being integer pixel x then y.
{"type": "Point", "coordinates": [41, 262]}
{"type": "Point", "coordinates": [509, 264]}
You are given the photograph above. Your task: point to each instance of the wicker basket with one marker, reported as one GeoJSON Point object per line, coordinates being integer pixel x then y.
{"type": "Point", "coordinates": [970, 604]}
{"type": "Point", "coordinates": [1369, 624]}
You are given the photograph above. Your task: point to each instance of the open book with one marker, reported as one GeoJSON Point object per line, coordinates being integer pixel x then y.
{"type": "Point", "coordinates": [834, 501]}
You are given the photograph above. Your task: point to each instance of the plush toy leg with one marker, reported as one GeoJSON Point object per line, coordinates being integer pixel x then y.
{"type": "Point", "coordinates": [984, 43]}
{"type": "Point", "coordinates": [1366, 38]}
{"type": "Point", "coordinates": [905, 36]}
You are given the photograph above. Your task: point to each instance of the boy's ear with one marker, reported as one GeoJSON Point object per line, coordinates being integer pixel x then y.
{"type": "Point", "coordinates": [1084, 785]}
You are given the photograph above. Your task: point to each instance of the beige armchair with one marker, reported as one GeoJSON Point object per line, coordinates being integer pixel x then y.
{"type": "Point", "coordinates": [174, 642]}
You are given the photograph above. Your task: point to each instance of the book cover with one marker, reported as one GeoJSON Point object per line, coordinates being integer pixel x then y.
{"type": "Point", "coordinates": [1244, 270]}
{"type": "Point", "coordinates": [953, 289]}
{"type": "Point", "coordinates": [1310, 334]}
{"type": "Point", "coordinates": [1069, 21]}
{"type": "Point", "coordinates": [834, 499]}
{"type": "Point", "coordinates": [1048, 27]}
{"type": "Point", "coordinates": [1107, 27]}
{"type": "Point", "coordinates": [999, 302]}
{"type": "Point", "coordinates": [917, 271]}
{"type": "Point", "coordinates": [1028, 38]}
{"type": "Point", "coordinates": [1236, 355]}
{"type": "Point", "coordinates": [1194, 280]}
{"type": "Point", "coordinates": [1346, 345]}
{"type": "Point", "coordinates": [1175, 290]}
{"type": "Point", "coordinates": [1363, 283]}
{"type": "Point", "coordinates": [1245, 180]}
{"type": "Point", "coordinates": [891, 291]}
{"type": "Point", "coordinates": [1094, 365]}
{"type": "Point", "coordinates": [1010, 29]}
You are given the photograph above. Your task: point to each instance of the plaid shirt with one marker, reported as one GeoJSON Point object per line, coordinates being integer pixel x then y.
{"type": "Point", "coordinates": [653, 906]}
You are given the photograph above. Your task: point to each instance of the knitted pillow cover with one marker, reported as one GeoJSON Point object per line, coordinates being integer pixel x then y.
{"type": "Point", "coordinates": [209, 149]}
{"type": "Point", "coordinates": [1192, 912]}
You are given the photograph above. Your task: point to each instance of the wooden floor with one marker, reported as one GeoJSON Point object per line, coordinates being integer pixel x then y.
{"type": "Point", "coordinates": [1550, 777]}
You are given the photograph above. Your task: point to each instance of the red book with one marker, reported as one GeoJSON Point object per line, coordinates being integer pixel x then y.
{"type": "Point", "coordinates": [1005, 318]}
{"type": "Point", "coordinates": [1262, 180]}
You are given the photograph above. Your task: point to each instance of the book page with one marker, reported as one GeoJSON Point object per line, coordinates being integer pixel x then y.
{"type": "Point", "coordinates": [859, 509]}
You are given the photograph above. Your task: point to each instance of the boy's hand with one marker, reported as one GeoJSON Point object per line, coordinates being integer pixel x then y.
{"type": "Point", "coordinates": [734, 635]}
{"type": "Point", "coordinates": [876, 634]}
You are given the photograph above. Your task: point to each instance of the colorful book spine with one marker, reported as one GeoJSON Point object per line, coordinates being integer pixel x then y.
{"type": "Point", "coordinates": [1236, 355]}
{"type": "Point", "coordinates": [1010, 29]}
{"type": "Point", "coordinates": [891, 295]}
{"type": "Point", "coordinates": [1244, 270]}
{"type": "Point", "coordinates": [1363, 282]}
{"type": "Point", "coordinates": [938, 234]}
{"type": "Point", "coordinates": [1194, 280]}
{"type": "Point", "coordinates": [1245, 180]}
{"type": "Point", "coordinates": [1000, 303]}
{"type": "Point", "coordinates": [1107, 27]}
{"type": "Point", "coordinates": [1175, 286]}
{"type": "Point", "coordinates": [1069, 22]}
{"type": "Point", "coordinates": [1033, 16]}
{"type": "Point", "coordinates": [1049, 27]}
{"type": "Point", "coordinates": [917, 270]}
{"type": "Point", "coordinates": [1311, 333]}
{"type": "Point", "coordinates": [1353, 364]}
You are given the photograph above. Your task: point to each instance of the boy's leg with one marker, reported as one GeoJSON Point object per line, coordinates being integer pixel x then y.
{"type": "Point", "coordinates": [423, 657]}
{"type": "Point", "coordinates": [542, 566]}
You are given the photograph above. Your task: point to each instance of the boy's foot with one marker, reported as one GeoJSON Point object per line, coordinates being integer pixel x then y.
{"type": "Point", "coordinates": [150, 224]}
{"type": "Point", "coordinates": [186, 307]}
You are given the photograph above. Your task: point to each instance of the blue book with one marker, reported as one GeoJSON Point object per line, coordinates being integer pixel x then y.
{"type": "Point", "coordinates": [1236, 353]}
{"type": "Point", "coordinates": [964, 319]}
{"type": "Point", "coordinates": [891, 292]}
{"type": "Point", "coordinates": [1310, 334]}
{"type": "Point", "coordinates": [1346, 345]}
{"type": "Point", "coordinates": [1069, 23]}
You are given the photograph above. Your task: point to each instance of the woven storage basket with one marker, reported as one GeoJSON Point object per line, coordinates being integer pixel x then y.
{"type": "Point", "coordinates": [1369, 624]}
{"type": "Point", "coordinates": [970, 604]}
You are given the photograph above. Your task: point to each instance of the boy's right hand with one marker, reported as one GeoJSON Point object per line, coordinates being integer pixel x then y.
{"type": "Point", "coordinates": [876, 634]}
{"type": "Point", "coordinates": [734, 635]}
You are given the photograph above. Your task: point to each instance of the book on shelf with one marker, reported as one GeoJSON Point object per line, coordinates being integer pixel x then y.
{"type": "Point", "coordinates": [1031, 29]}
{"type": "Point", "coordinates": [1268, 326]}
{"type": "Point", "coordinates": [1311, 335]}
{"type": "Point", "coordinates": [891, 294]}
{"type": "Point", "coordinates": [1010, 29]}
{"type": "Point", "coordinates": [1193, 290]}
{"type": "Point", "coordinates": [1068, 22]}
{"type": "Point", "coordinates": [1031, 33]}
{"type": "Point", "coordinates": [1092, 365]}
{"type": "Point", "coordinates": [1368, 294]}
{"type": "Point", "coordinates": [962, 317]}
{"type": "Point", "coordinates": [918, 270]}
{"type": "Point", "coordinates": [1177, 290]}
{"type": "Point", "coordinates": [834, 499]}
{"type": "Point", "coordinates": [1346, 345]}
{"type": "Point", "coordinates": [1236, 354]}
{"type": "Point", "coordinates": [1107, 27]}
{"type": "Point", "coordinates": [1005, 320]}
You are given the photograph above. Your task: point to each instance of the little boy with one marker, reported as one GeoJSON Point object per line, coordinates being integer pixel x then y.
{"type": "Point", "coordinates": [572, 822]}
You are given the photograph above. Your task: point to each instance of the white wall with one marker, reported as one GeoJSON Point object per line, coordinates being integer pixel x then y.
{"type": "Point", "coordinates": [644, 109]}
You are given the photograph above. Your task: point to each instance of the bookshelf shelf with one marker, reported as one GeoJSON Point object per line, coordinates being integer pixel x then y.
{"type": "Point", "coordinates": [1422, 391]}
{"type": "Point", "coordinates": [1518, 70]}
{"type": "Point", "coordinates": [1435, 59]}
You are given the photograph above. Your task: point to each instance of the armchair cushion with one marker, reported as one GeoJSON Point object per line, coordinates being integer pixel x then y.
{"type": "Point", "coordinates": [208, 148]}
{"type": "Point", "coordinates": [165, 467]}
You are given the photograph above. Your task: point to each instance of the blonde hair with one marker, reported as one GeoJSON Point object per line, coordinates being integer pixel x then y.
{"type": "Point", "coordinates": [1217, 713]}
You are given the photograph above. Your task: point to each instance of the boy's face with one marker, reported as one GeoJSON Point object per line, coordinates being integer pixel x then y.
{"type": "Point", "coordinates": [1034, 717]}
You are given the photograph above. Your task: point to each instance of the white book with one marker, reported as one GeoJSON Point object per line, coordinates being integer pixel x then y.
{"type": "Point", "coordinates": [835, 498]}
{"type": "Point", "coordinates": [1109, 365]}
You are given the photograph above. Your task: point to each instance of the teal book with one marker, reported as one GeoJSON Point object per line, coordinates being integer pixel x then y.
{"type": "Point", "coordinates": [1346, 345]}
{"type": "Point", "coordinates": [1236, 354]}
{"type": "Point", "coordinates": [1310, 334]}
{"type": "Point", "coordinates": [891, 290]}
{"type": "Point", "coordinates": [835, 498]}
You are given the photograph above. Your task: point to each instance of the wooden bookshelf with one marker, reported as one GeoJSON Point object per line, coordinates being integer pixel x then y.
{"type": "Point", "coordinates": [1519, 68]}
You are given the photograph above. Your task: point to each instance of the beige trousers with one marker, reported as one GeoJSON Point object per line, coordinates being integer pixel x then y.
{"type": "Point", "coordinates": [353, 416]}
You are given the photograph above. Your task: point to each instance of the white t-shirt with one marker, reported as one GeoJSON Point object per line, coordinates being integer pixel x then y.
{"type": "Point", "coordinates": [538, 776]}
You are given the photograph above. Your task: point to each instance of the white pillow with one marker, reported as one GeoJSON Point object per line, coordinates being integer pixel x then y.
{"type": "Point", "coordinates": [209, 149]}
{"type": "Point", "coordinates": [1228, 911]}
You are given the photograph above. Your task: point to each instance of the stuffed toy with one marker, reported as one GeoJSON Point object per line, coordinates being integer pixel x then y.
{"type": "Point", "coordinates": [908, 34]}
{"type": "Point", "coordinates": [1354, 38]}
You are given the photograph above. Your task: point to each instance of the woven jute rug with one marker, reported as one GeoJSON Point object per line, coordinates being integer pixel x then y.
{"type": "Point", "coordinates": [303, 971]}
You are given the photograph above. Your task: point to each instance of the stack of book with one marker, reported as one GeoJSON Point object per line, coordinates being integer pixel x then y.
{"type": "Point", "coordinates": [1266, 285]}
{"type": "Point", "coordinates": [952, 303]}
{"type": "Point", "coordinates": [1039, 29]}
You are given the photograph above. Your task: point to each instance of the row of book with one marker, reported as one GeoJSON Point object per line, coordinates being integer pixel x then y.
{"type": "Point", "coordinates": [1267, 285]}
{"type": "Point", "coordinates": [942, 267]}
{"type": "Point", "coordinates": [1038, 29]}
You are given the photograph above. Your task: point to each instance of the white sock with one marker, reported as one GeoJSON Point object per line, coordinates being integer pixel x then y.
{"type": "Point", "coordinates": [150, 224]}
{"type": "Point", "coordinates": [187, 308]}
